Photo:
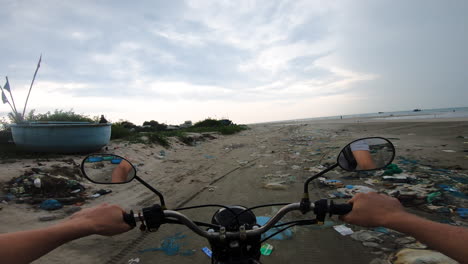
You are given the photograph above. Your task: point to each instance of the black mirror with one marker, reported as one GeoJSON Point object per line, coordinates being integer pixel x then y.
{"type": "Point", "coordinates": [367, 154]}
{"type": "Point", "coordinates": [107, 169]}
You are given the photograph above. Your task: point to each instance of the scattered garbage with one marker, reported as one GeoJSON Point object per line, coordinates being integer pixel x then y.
{"type": "Point", "coordinates": [402, 178]}
{"type": "Point", "coordinates": [266, 249]}
{"type": "Point", "coordinates": [50, 205]}
{"type": "Point", "coordinates": [417, 256]}
{"type": "Point", "coordinates": [462, 212]}
{"type": "Point", "coordinates": [449, 150]}
{"type": "Point", "coordinates": [331, 183]}
{"type": "Point", "coordinates": [286, 234]}
{"type": "Point", "coordinates": [207, 252]}
{"type": "Point", "coordinates": [391, 170]}
{"type": "Point", "coordinates": [343, 230]}
{"type": "Point", "coordinates": [209, 156]}
{"type": "Point", "coordinates": [171, 246]}
{"type": "Point", "coordinates": [367, 236]}
{"type": "Point", "coordinates": [100, 193]}
{"type": "Point", "coordinates": [275, 186]}
{"type": "Point", "coordinates": [296, 167]}
{"type": "Point", "coordinates": [133, 261]}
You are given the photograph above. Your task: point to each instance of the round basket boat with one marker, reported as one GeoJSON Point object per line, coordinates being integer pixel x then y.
{"type": "Point", "coordinates": [61, 137]}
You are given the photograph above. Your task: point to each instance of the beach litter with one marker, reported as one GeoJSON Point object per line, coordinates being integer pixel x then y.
{"type": "Point", "coordinates": [449, 150]}
{"type": "Point", "coordinates": [266, 249]}
{"type": "Point", "coordinates": [207, 252]}
{"type": "Point", "coordinates": [330, 183]}
{"type": "Point", "coordinates": [171, 246]}
{"type": "Point", "coordinates": [418, 256]}
{"type": "Point", "coordinates": [391, 170]}
{"type": "Point", "coordinates": [343, 230]}
{"type": "Point", "coordinates": [50, 205]}
{"type": "Point", "coordinates": [286, 234]}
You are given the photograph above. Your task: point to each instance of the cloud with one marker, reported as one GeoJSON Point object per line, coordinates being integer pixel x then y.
{"type": "Point", "coordinates": [231, 58]}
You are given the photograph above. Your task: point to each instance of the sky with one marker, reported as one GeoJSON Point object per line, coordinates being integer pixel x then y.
{"type": "Point", "coordinates": [249, 61]}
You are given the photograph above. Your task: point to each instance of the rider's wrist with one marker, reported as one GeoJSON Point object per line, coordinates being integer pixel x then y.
{"type": "Point", "coordinates": [395, 220]}
{"type": "Point", "coordinates": [81, 227]}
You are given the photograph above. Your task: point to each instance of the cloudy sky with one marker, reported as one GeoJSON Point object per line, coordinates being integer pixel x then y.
{"type": "Point", "coordinates": [250, 61]}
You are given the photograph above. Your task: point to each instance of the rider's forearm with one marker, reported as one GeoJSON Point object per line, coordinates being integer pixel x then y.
{"type": "Point", "coordinates": [26, 246]}
{"type": "Point", "coordinates": [450, 240]}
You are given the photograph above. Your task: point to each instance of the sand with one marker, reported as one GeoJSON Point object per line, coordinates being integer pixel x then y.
{"type": "Point", "coordinates": [233, 170]}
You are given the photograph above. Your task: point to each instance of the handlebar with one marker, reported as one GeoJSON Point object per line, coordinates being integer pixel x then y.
{"type": "Point", "coordinates": [257, 230]}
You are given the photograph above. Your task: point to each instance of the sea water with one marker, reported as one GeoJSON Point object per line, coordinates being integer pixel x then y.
{"type": "Point", "coordinates": [454, 112]}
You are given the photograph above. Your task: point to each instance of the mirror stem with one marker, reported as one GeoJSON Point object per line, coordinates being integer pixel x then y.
{"type": "Point", "coordinates": [161, 198]}
{"type": "Point", "coordinates": [306, 184]}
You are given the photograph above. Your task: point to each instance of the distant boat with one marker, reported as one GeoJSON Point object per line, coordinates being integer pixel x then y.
{"type": "Point", "coordinates": [417, 110]}
{"type": "Point", "coordinates": [381, 112]}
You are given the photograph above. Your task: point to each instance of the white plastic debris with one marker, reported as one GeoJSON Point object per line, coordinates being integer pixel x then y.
{"type": "Point", "coordinates": [343, 230]}
{"type": "Point", "coordinates": [37, 183]}
{"type": "Point", "coordinates": [416, 256]}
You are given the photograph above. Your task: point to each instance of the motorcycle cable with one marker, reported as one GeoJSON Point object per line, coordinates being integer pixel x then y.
{"type": "Point", "coordinates": [211, 205]}
{"type": "Point", "coordinates": [175, 221]}
{"type": "Point", "coordinates": [274, 234]}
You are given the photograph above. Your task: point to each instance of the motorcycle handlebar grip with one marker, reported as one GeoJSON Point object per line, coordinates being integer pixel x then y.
{"type": "Point", "coordinates": [340, 209]}
{"type": "Point", "coordinates": [129, 219]}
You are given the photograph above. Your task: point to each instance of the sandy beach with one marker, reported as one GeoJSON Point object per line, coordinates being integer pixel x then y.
{"type": "Point", "coordinates": [234, 170]}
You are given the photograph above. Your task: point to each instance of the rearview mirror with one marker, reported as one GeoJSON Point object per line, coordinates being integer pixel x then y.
{"type": "Point", "coordinates": [367, 154]}
{"type": "Point", "coordinates": [107, 169]}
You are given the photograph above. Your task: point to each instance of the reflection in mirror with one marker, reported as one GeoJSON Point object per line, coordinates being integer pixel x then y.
{"type": "Point", "coordinates": [366, 154]}
{"type": "Point", "coordinates": [108, 169]}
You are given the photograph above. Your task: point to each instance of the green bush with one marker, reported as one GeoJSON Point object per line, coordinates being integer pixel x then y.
{"type": "Point", "coordinates": [158, 138]}
{"type": "Point", "coordinates": [59, 115]}
{"type": "Point", "coordinates": [119, 132]}
{"type": "Point", "coordinates": [208, 123]}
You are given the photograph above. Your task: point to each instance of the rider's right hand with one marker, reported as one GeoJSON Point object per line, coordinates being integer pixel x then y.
{"type": "Point", "coordinates": [104, 219]}
{"type": "Point", "coordinates": [373, 209]}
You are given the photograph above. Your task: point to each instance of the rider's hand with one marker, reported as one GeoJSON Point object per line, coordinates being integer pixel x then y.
{"type": "Point", "coordinates": [103, 219]}
{"type": "Point", "coordinates": [373, 209]}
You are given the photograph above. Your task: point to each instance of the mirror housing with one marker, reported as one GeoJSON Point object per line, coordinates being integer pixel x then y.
{"type": "Point", "coordinates": [107, 169]}
{"type": "Point", "coordinates": [366, 154]}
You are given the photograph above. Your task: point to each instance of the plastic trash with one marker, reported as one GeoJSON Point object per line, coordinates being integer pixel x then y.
{"type": "Point", "coordinates": [37, 183]}
{"type": "Point", "coordinates": [462, 212]}
{"type": "Point", "coordinates": [133, 261]}
{"type": "Point", "coordinates": [367, 236]}
{"type": "Point", "coordinates": [170, 245]}
{"type": "Point", "coordinates": [51, 204]}
{"type": "Point", "coordinates": [209, 156]}
{"type": "Point", "coordinates": [266, 249]}
{"type": "Point", "coordinates": [116, 161]}
{"type": "Point", "coordinates": [286, 234]}
{"type": "Point", "coordinates": [416, 256]}
{"type": "Point", "coordinates": [331, 183]}
{"type": "Point", "coordinates": [94, 159]}
{"type": "Point", "coordinates": [433, 196]}
{"type": "Point", "coordinates": [275, 186]}
{"type": "Point", "coordinates": [381, 229]}
{"type": "Point", "coordinates": [207, 252]}
{"type": "Point", "coordinates": [403, 178]}
{"type": "Point", "coordinates": [343, 230]}
{"type": "Point", "coordinates": [448, 150]}
{"type": "Point", "coordinates": [391, 170]}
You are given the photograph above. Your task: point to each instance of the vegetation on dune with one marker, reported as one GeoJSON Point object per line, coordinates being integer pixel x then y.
{"type": "Point", "coordinates": [154, 132]}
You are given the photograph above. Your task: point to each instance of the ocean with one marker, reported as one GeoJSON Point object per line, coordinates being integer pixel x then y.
{"type": "Point", "coordinates": [453, 112]}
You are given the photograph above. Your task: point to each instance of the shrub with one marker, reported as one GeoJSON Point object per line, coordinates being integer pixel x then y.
{"type": "Point", "coordinates": [59, 115]}
{"type": "Point", "coordinates": [158, 138]}
{"type": "Point", "coordinates": [119, 132]}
